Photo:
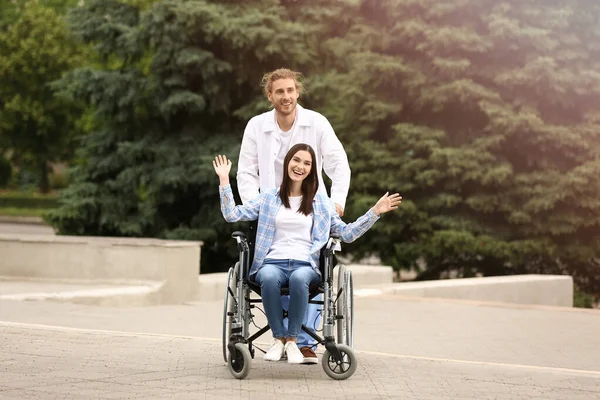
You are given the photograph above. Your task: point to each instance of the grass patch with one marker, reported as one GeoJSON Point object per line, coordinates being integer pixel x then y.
{"type": "Point", "coordinates": [14, 199]}
{"type": "Point", "coordinates": [22, 212]}
{"type": "Point", "coordinates": [12, 194]}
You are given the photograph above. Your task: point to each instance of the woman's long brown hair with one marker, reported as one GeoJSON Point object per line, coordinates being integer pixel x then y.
{"type": "Point", "coordinates": [310, 185]}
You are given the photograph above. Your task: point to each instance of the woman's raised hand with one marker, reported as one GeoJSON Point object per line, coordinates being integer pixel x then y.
{"type": "Point", "coordinates": [222, 168]}
{"type": "Point", "coordinates": [387, 203]}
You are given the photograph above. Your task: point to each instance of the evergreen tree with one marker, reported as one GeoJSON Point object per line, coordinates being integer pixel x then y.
{"type": "Point", "coordinates": [483, 114]}
{"type": "Point", "coordinates": [179, 81]}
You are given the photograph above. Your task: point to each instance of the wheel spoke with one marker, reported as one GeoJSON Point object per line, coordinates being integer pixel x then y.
{"type": "Point", "coordinates": [335, 365]}
{"type": "Point", "coordinates": [340, 367]}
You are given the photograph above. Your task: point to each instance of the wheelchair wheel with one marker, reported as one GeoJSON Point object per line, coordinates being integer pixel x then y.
{"type": "Point", "coordinates": [339, 370]}
{"type": "Point", "coordinates": [228, 304]}
{"type": "Point", "coordinates": [345, 308]}
{"type": "Point", "coordinates": [239, 363]}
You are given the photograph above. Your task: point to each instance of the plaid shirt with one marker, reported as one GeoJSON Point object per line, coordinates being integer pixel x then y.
{"type": "Point", "coordinates": [265, 208]}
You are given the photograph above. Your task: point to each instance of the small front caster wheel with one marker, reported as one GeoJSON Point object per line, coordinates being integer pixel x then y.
{"type": "Point", "coordinates": [339, 369]}
{"type": "Point", "coordinates": [239, 363]}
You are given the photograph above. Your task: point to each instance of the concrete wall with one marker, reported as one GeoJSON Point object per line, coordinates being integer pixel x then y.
{"type": "Point", "coordinates": [171, 266]}
{"type": "Point", "coordinates": [550, 290]}
{"type": "Point", "coordinates": [153, 271]}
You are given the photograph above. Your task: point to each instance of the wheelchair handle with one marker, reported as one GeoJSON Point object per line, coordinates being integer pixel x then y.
{"type": "Point", "coordinates": [238, 234]}
{"type": "Point", "coordinates": [333, 244]}
{"type": "Point", "coordinates": [241, 240]}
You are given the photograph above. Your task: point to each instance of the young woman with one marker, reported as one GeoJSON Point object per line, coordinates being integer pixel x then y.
{"type": "Point", "coordinates": [294, 224]}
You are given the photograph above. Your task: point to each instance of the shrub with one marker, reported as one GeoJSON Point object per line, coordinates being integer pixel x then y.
{"type": "Point", "coordinates": [582, 299]}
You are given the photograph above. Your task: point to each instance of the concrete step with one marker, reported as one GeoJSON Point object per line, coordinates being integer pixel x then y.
{"type": "Point", "coordinates": [104, 294]}
{"type": "Point", "coordinates": [546, 290]}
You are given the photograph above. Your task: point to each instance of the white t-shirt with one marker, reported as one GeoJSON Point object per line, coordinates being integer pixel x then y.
{"type": "Point", "coordinates": [293, 231]}
{"type": "Point", "coordinates": [284, 146]}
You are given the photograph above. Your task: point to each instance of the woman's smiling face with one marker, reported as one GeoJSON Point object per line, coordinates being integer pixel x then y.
{"type": "Point", "coordinates": [299, 166]}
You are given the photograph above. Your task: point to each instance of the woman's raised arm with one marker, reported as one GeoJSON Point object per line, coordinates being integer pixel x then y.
{"type": "Point", "coordinates": [231, 212]}
{"type": "Point", "coordinates": [351, 232]}
{"type": "Point", "coordinates": [222, 167]}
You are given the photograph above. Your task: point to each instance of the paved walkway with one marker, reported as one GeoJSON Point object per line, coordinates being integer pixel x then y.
{"type": "Point", "coordinates": [19, 228]}
{"type": "Point", "coordinates": [407, 349]}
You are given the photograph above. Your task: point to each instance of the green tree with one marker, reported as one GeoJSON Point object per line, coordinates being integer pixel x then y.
{"type": "Point", "coordinates": [177, 84]}
{"type": "Point", "coordinates": [36, 125]}
{"type": "Point", "coordinates": [11, 9]}
{"type": "Point", "coordinates": [9, 13]}
{"type": "Point", "coordinates": [483, 114]}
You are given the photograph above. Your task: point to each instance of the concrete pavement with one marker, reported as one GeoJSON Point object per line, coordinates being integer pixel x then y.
{"type": "Point", "coordinates": [408, 348]}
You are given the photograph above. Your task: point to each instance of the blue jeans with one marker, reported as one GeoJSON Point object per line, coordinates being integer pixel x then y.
{"type": "Point", "coordinates": [312, 320]}
{"type": "Point", "coordinates": [298, 275]}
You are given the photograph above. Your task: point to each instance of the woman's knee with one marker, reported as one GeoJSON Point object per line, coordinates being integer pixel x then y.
{"type": "Point", "coordinates": [303, 277]}
{"type": "Point", "coordinates": [269, 275]}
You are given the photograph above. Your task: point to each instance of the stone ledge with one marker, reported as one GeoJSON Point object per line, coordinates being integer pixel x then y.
{"type": "Point", "coordinates": [173, 266]}
{"type": "Point", "coordinates": [99, 240]}
{"type": "Point", "coordinates": [548, 290]}
{"type": "Point", "coordinates": [7, 219]}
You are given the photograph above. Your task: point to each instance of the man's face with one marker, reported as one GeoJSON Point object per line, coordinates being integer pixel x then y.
{"type": "Point", "coordinates": [284, 95]}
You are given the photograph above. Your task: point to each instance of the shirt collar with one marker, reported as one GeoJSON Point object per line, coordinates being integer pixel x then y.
{"type": "Point", "coordinates": [302, 119]}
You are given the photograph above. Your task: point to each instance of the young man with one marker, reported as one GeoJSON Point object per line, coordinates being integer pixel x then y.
{"type": "Point", "coordinates": [267, 139]}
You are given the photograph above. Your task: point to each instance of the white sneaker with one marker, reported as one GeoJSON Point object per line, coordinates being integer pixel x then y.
{"type": "Point", "coordinates": [294, 355]}
{"type": "Point", "coordinates": [275, 352]}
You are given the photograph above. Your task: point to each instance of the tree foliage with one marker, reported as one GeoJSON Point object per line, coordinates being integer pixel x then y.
{"type": "Point", "coordinates": [37, 126]}
{"type": "Point", "coordinates": [179, 82]}
{"type": "Point", "coordinates": [12, 9]}
{"type": "Point", "coordinates": [482, 113]}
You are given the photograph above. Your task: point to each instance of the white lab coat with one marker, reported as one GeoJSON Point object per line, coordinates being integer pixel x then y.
{"type": "Point", "coordinates": [260, 147]}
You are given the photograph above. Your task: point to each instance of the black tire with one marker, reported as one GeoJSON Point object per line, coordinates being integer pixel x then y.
{"type": "Point", "coordinates": [340, 370]}
{"type": "Point", "coordinates": [240, 363]}
{"type": "Point", "coordinates": [228, 304]}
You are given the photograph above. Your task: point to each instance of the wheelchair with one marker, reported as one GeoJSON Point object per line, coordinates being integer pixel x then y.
{"type": "Point", "coordinates": [337, 311]}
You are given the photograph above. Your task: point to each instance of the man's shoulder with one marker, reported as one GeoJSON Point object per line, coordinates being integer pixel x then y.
{"type": "Point", "coordinates": [315, 120]}
{"type": "Point", "coordinates": [260, 124]}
